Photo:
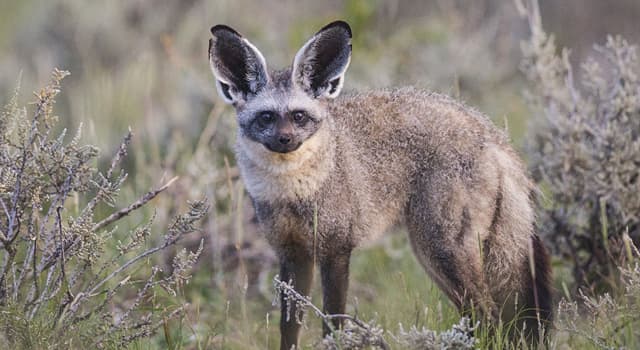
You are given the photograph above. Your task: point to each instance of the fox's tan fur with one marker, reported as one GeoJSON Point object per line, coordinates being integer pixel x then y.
{"type": "Point", "coordinates": [382, 141]}
{"type": "Point", "coordinates": [398, 156]}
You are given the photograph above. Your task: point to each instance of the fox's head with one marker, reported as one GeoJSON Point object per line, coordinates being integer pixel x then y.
{"type": "Point", "coordinates": [280, 110]}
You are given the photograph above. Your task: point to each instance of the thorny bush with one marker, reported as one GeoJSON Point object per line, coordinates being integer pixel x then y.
{"type": "Point", "coordinates": [60, 274]}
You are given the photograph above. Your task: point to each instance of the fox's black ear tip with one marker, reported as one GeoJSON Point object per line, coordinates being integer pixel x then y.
{"type": "Point", "coordinates": [223, 28]}
{"type": "Point", "coordinates": [339, 24]}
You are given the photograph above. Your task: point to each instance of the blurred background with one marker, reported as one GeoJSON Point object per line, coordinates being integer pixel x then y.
{"type": "Point", "coordinates": [143, 64]}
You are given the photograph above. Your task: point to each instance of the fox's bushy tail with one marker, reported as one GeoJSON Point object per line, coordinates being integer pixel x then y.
{"type": "Point", "coordinates": [537, 312]}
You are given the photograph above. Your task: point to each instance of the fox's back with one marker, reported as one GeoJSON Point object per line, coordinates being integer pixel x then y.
{"type": "Point", "coordinates": [413, 123]}
{"type": "Point", "coordinates": [398, 142]}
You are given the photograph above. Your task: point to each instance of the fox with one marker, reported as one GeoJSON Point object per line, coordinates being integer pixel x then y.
{"type": "Point", "coordinates": [327, 171]}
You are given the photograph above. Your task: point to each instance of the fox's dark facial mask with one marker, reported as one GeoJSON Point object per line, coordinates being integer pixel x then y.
{"type": "Point", "coordinates": [280, 132]}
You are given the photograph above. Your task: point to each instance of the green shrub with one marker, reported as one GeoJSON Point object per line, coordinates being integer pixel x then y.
{"type": "Point", "coordinates": [63, 271]}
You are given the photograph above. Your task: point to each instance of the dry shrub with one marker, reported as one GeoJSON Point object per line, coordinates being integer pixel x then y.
{"type": "Point", "coordinates": [64, 273]}
{"type": "Point", "coordinates": [608, 321]}
{"type": "Point", "coordinates": [585, 150]}
{"type": "Point", "coordinates": [359, 334]}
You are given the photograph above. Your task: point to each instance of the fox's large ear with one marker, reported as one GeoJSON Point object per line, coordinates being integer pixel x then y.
{"type": "Point", "coordinates": [239, 68]}
{"type": "Point", "coordinates": [319, 66]}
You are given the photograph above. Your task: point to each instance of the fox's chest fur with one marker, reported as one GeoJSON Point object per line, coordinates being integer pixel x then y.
{"type": "Point", "coordinates": [272, 177]}
{"type": "Point", "coordinates": [354, 176]}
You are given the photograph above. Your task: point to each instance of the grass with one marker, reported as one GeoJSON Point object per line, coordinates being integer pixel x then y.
{"type": "Point", "coordinates": [387, 284]}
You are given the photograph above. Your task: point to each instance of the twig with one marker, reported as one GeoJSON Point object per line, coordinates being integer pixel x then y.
{"type": "Point", "coordinates": [62, 257]}
{"type": "Point", "coordinates": [75, 304]}
{"type": "Point", "coordinates": [62, 246]}
{"type": "Point", "coordinates": [117, 158]}
{"type": "Point", "coordinates": [135, 205]}
{"type": "Point", "coordinates": [145, 322]}
{"type": "Point", "coordinates": [3, 238]}
{"type": "Point", "coordinates": [140, 295]}
{"type": "Point", "coordinates": [91, 292]}
{"type": "Point", "coordinates": [30, 257]}
{"type": "Point", "coordinates": [37, 299]}
{"type": "Point", "coordinates": [306, 302]}
{"type": "Point", "coordinates": [122, 151]}
{"type": "Point", "coordinates": [126, 265]}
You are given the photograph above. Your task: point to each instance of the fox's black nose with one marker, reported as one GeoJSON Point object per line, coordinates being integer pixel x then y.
{"type": "Point", "coordinates": [284, 139]}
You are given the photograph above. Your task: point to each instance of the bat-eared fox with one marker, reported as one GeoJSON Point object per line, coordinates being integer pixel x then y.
{"type": "Point", "coordinates": [326, 172]}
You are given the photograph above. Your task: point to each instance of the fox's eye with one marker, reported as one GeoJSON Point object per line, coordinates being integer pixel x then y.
{"type": "Point", "coordinates": [299, 117]}
{"type": "Point", "coordinates": [266, 117]}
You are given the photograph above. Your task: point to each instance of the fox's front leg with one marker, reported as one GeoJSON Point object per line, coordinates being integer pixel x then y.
{"type": "Point", "coordinates": [295, 266]}
{"type": "Point", "coordinates": [334, 271]}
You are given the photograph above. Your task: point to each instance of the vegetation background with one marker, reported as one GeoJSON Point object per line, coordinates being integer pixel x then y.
{"type": "Point", "coordinates": [142, 64]}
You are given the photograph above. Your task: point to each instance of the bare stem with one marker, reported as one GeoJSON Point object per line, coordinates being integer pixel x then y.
{"type": "Point", "coordinates": [306, 302]}
{"type": "Point", "coordinates": [135, 205]}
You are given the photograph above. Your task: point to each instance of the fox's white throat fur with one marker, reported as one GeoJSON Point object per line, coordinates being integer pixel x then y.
{"type": "Point", "coordinates": [295, 175]}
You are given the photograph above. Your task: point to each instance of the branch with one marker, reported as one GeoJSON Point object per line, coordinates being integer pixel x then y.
{"type": "Point", "coordinates": [117, 158]}
{"type": "Point", "coordinates": [3, 238]}
{"type": "Point", "coordinates": [287, 289]}
{"type": "Point", "coordinates": [126, 265]}
{"type": "Point", "coordinates": [135, 205]}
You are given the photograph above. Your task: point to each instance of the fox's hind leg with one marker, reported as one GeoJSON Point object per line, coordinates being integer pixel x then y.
{"type": "Point", "coordinates": [457, 271]}
{"type": "Point", "coordinates": [476, 240]}
{"type": "Point", "coordinates": [443, 239]}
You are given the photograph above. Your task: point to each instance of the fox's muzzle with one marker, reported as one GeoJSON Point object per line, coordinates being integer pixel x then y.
{"type": "Point", "coordinates": [283, 144]}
